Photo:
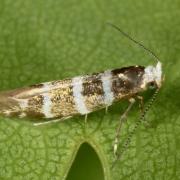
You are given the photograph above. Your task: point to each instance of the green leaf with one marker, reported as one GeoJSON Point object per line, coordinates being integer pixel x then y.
{"type": "Point", "coordinates": [46, 40]}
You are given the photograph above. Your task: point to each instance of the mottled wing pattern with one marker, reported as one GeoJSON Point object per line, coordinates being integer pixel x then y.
{"type": "Point", "coordinates": [69, 97]}
{"type": "Point", "coordinates": [40, 100]}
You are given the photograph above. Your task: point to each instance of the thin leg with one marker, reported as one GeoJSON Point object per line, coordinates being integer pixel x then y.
{"type": "Point", "coordinates": [51, 121]}
{"type": "Point", "coordinates": [122, 119]}
{"type": "Point", "coordinates": [85, 120]}
{"type": "Point", "coordinates": [141, 104]}
{"type": "Point", "coordinates": [106, 109]}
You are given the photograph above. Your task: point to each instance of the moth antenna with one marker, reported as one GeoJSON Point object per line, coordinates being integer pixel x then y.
{"type": "Point", "coordinates": [135, 41]}
{"type": "Point", "coordinates": [141, 119]}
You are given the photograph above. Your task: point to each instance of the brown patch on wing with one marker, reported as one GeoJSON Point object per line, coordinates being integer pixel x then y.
{"type": "Point", "coordinates": [126, 70]}
{"type": "Point", "coordinates": [34, 108]}
{"type": "Point", "coordinates": [37, 85]}
{"type": "Point", "coordinates": [92, 85]}
{"type": "Point", "coordinates": [93, 92]}
{"type": "Point", "coordinates": [127, 81]}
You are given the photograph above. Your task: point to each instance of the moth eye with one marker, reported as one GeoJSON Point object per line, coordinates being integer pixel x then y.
{"type": "Point", "coordinates": [152, 85]}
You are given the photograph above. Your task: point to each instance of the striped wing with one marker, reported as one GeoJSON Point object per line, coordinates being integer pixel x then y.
{"type": "Point", "coordinates": [63, 98]}
{"type": "Point", "coordinates": [30, 101]}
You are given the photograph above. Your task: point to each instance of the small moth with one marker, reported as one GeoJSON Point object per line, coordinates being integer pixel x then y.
{"type": "Point", "coordinates": [81, 95]}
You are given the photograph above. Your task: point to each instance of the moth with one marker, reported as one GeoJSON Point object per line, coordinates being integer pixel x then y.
{"type": "Point", "coordinates": [81, 95]}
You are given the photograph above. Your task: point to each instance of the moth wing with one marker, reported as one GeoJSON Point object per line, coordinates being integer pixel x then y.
{"type": "Point", "coordinates": [33, 90]}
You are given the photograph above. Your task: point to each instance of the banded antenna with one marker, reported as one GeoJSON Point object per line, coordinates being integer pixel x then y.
{"type": "Point", "coordinates": [135, 41]}
{"type": "Point", "coordinates": [140, 120]}
{"type": "Point", "coordinates": [142, 117]}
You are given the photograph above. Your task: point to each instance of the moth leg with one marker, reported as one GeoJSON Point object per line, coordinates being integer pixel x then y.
{"type": "Point", "coordinates": [141, 106]}
{"type": "Point", "coordinates": [85, 119]}
{"type": "Point", "coordinates": [141, 103]}
{"type": "Point", "coordinates": [122, 119]}
{"type": "Point", "coordinates": [51, 121]}
{"type": "Point", "coordinates": [106, 109]}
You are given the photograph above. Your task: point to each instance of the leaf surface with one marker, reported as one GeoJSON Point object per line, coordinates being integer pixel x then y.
{"type": "Point", "coordinates": [46, 40]}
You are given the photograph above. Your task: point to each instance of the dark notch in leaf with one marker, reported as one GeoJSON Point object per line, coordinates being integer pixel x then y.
{"type": "Point", "coordinates": [86, 165]}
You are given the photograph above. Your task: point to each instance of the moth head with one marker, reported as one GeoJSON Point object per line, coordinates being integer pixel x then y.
{"type": "Point", "coordinates": [153, 77]}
